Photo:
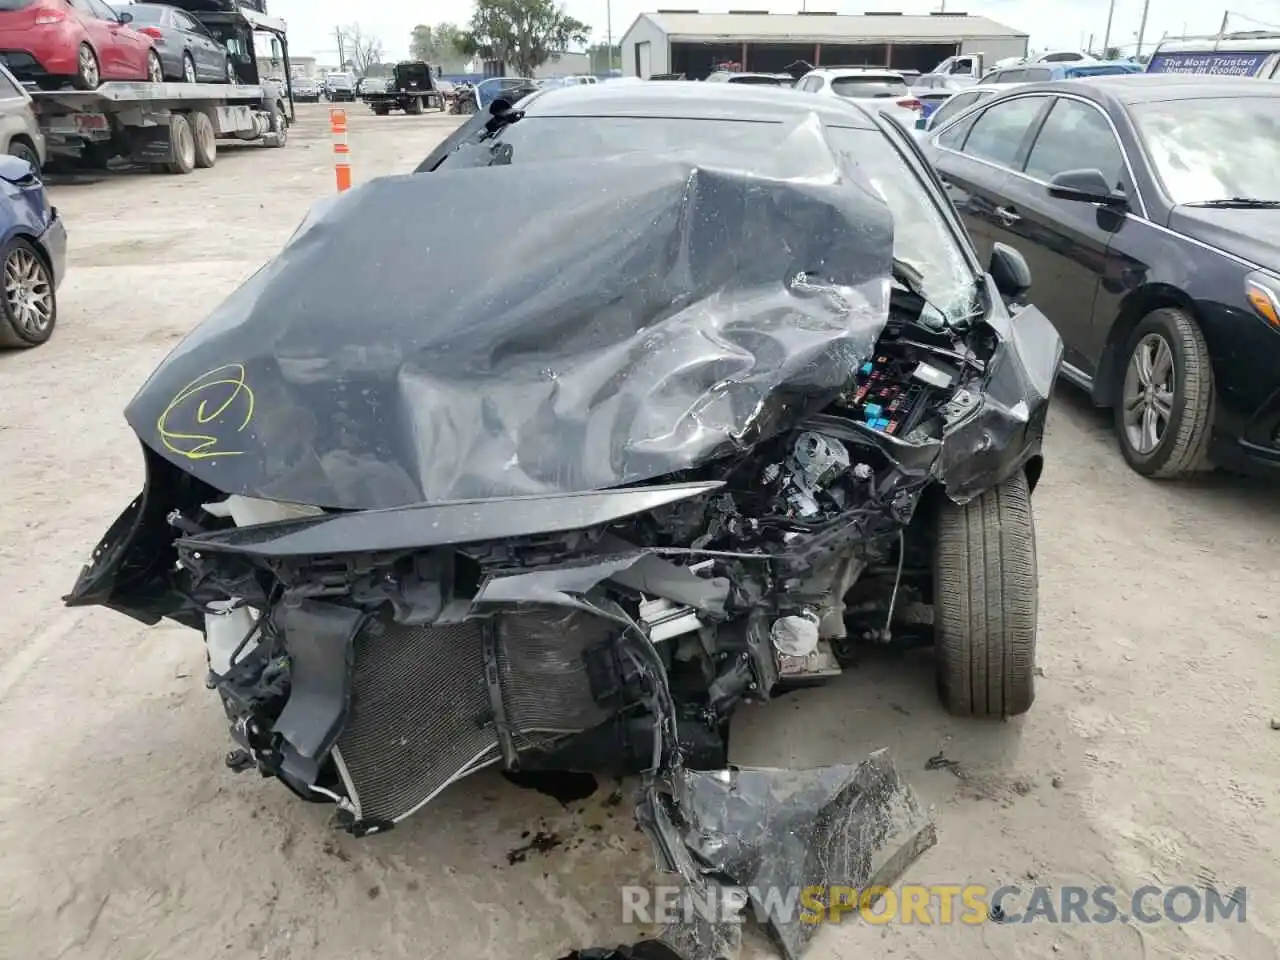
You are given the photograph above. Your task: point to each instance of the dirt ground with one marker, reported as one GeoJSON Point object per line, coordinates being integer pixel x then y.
{"type": "Point", "coordinates": [1147, 759]}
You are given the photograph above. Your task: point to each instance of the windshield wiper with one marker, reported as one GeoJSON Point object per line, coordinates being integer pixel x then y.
{"type": "Point", "coordinates": [1241, 203]}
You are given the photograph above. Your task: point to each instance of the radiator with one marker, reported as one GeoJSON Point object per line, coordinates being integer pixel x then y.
{"type": "Point", "coordinates": [421, 712]}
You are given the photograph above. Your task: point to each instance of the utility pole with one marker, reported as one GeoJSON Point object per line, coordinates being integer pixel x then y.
{"type": "Point", "coordinates": [1142, 27]}
{"type": "Point", "coordinates": [342, 47]}
{"type": "Point", "coordinates": [1106, 37]}
{"type": "Point", "coordinates": [1226, 15]}
{"type": "Point", "coordinates": [608, 20]}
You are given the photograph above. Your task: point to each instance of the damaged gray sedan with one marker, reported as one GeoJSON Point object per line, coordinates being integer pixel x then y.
{"type": "Point", "coordinates": [696, 390]}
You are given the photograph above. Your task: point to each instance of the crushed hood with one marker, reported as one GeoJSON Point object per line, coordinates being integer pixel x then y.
{"type": "Point", "coordinates": [543, 328]}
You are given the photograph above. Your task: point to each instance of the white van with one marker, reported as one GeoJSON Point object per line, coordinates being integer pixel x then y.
{"type": "Point", "coordinates": [1252, 54]}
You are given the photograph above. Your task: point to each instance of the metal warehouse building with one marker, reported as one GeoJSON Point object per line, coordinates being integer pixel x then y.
{"type": "Point", "coordinates": [694, 43]}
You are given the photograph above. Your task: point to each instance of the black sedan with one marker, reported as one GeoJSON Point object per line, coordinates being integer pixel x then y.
{"type": "Point", "coordinates": [1148, 208]}
{"type": "Point", "coordinates": [188, 51]}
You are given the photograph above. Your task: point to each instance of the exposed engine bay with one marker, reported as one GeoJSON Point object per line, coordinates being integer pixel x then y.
{"type": "Point", "coordinates": [611, 647]}
{"type": "Point", "coordinates": [404, 574]}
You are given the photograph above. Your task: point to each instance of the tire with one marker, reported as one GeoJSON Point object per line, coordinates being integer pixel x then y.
{"type": "Point", "coordinates": [184, 145]}
{"type": "Point", "coordinates": [1176, 410]}
{"type": "Point", "coordinates": [155, 69]}
{"type": "Point", "coordinates": [231, 72]}
{"type": "Point", "coordinates": [205, 140]}
{"type": "Point", "coordinates": [381, 110]}
{"type": "Point", "coordinates": [24, 151]}
{"type": "Point", "coordinates": [414, 106]}
{"type": "Point", "coordinates": [27, 314]}
{"type": "Point", "coordinates": [985, 603]}
{"type": "Point", "coordinates": [88, 69]}
{"type": "Point", "coordinates": [279, 126]}
{"type": "Point", "coordinates": [189, 74]}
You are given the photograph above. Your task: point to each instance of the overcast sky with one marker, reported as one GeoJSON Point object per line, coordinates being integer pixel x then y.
{"type": "Point", "coordinates": [1059, 24]}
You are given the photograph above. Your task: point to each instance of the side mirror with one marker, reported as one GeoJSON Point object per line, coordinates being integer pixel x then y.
{"type": "Point", "coordinates": [1085, 186]}
{"type": "Point", "coordinates": [1009, 270]}
{"type": "Point", "coordinates": [124, 16]}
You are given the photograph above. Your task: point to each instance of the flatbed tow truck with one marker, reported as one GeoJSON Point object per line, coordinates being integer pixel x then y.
{"type": "Point", "coordinates": [174, 127]}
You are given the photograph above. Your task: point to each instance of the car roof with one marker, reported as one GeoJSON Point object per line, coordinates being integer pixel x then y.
{"type": "Point", "coordinates": [1123, 89]}
{"type": "Point", "coordinates": [681, 99]}
{"type": "Point", "coordinates": [856, 71]}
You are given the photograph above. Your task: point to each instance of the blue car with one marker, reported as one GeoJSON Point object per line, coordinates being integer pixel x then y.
{"type": "Point", "coordinates": [33, 255]}
{"type": "Point", "coordinates": [1073, 70]}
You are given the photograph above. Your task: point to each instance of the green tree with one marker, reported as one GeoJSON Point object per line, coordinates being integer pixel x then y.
{"type": "Point", "coordinates": [601, 62]}
{"type": "Point", "coordinates": [438, 44]}
{"type": "Point", "coordinates": [521, 33]}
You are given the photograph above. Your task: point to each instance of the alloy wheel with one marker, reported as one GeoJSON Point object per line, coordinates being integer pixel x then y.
{"type": "Point", "coordinates": [89, 67]}
{"type": "Point", "coordinates": [1149, 390]}
{"type": "Point", "coordinates": [28, 292]}
{"type": "Point", "coordinates": [155, 70]}
{"type": "Point", "coordinates": [188, 69]}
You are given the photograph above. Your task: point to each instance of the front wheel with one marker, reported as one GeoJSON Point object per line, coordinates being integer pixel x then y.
{"type": "Point", "coordinates": [985, 603]}
{"type": "Point", "coordinates": [231, 72]}
{"type": "Point", "coordinates": [188, 69]}
{"type": "Point", "coordinates": [24, 151]}
{"type": "Point", "coordinates": [1164, 417]}
{"type": "Point", "coordinates": [155, 69]}
{"type": "Point", "coordinates": [30, 306]}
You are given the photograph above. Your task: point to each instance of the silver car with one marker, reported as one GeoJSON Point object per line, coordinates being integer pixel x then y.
{"type": "Point", "coordinates": [19, 133]}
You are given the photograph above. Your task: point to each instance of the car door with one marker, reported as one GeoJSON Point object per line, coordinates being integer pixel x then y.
{"type": "Point", "coordinates": [123, 48]}
{"type": "Point", "coordinates": [208, 56]}
{"type": "Point", "coordinates": [975, 157]}
{"type": "Point", "coordinates": [100, 37]}
{"type": "Point", "coordinates": [1064, 241]}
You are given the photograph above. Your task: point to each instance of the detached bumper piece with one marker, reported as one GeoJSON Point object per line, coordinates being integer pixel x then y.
{"type": "Point", "coordinates": [735, 835]}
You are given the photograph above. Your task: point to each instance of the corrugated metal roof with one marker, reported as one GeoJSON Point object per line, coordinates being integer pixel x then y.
{"type": "Point", "coordinates": [819, 28]}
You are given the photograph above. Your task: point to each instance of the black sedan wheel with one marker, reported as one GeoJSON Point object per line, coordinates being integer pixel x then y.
{"type": "Point", "coordinates": [1165, 415]}
{"type": "Point", "coordinates": [30, 308]}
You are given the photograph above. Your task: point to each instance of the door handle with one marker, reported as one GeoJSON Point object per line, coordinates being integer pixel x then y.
{"type": "Point", "coordinates": [1007, 215]}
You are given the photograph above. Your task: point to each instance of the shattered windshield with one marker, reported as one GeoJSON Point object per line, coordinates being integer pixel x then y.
{"type": "Point", "coordinates": [921, 236]}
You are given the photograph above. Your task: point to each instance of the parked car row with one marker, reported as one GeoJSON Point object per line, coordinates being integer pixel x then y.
{"type": "Point", "coordinates": [83, 43]}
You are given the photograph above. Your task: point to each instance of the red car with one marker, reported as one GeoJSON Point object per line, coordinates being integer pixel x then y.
{"type": "Point", "coordinates": [83, 42]}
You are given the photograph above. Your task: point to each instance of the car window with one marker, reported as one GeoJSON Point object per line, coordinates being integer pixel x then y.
{"type": "Point", "coordinates": [921, 236]}
{"type": "Point", "coordinates": [1076, 136]}
{"type": "Point", "coordinates": [8, 89]}
{"type": "Point", "coordinates": [954, 136]}
{"type": "Point", "coordinates": [184, 22]}
{"type": "Point", "coordinates": [813, 83]}
{"type": "Point", "coordinates": [1213, 148]}
{"type": "Point", "coordinates": [100, 10]}
{"type": "Point", "coordinates": [954, 107]}
{"type": "Point", "coordinates": [1035, 74]}
{"type": "Point", "coordinates": [871, 85]}
{"type": "Point", "coordinates": [999, 130]}
{"type": "Point", "coordinates": [1012, 76]}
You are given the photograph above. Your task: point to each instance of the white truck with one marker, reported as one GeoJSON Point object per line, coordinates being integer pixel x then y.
{"type": "Point", "coordinates": [174, 127]}
{"type": "Point", "coordinates": [969, 68]}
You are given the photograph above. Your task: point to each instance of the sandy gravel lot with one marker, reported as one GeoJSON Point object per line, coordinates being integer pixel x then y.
{"type": "Point", "coordinates": [1148, 757]}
